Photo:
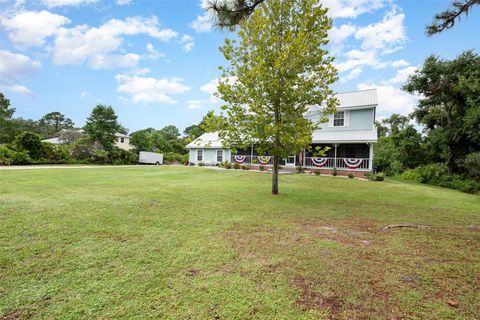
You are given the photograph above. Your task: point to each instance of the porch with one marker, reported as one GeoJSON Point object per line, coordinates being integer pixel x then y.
{"type": "Point", "coordinates": [345, 157]}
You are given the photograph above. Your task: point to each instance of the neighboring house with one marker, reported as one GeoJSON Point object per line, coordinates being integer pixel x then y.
{"type": "Point", "coordinates": [122, 141]}
{"type": "Point", "coordinates": [350, 133]}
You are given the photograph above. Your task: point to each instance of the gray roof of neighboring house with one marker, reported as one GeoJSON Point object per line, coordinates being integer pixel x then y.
{"type": "Point", "coordinates": [58, 140]}
{"type": "Point", "coordinates": [121, 135]}
{"type": "Point", "coordinates": [53, 140]}
{"type": "Point", "coordinates": [207, 140]}
{"type": "Point", "coordinates": [344, 136]}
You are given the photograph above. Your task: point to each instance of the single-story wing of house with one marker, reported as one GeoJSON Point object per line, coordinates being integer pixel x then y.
{"type": "Point", "coordinates": [350, 133]}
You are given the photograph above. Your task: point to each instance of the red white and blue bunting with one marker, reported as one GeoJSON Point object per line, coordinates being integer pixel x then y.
{"type": "Point", "coordinates": [319, 162]}
{"type": "Point", "coordinates": [353, 163]}
{"type": "Point", "coordinates": [240, 159]}
{"type": "Point", "coordinates": [264, 159]}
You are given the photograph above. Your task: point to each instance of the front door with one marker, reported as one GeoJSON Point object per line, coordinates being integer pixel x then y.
{"type": "Point", "coordinates": [290, 161]}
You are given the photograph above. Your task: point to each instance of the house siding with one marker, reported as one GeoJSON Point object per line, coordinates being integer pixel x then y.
{"type": "Point", "coordinates": [362, 119]}
{"type": "Point", "coordinates": [209, 155]}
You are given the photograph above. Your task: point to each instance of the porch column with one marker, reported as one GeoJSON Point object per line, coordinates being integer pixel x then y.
{"type": "Point", "coordinates": [370, 162]}
{"type": "Point", "coordinates": [335, 158]}
{"type": "Point", "coordinates": [251, 154]}
{"type": "Point", "coordinates": [303, 157]}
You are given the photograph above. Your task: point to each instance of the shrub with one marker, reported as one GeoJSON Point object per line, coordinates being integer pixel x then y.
{"type": "Point", "coordinates": [367, 175]}
{"type": "Point", "coordinates": [300, 169]}
{"type": "Point", "coordinates": [472, 164]}
{"type": "Point", "coordinates": [317, 172]}
{"type": "Point", "coordinates": [201, 164]}
{"type": "Point", "coordinates": [377, 176]}
{"type": "Point", "coordinates": [9, 156]}
{"type": "Point", "coordinates": [120, 156]}
{"type": "Point", "coordinates": [173, 157]}
{"type": "Point", "coordinates": [245, 167]}
{"type": "Point", "coordinates": [261, 168]}
{"type": "Point", "coordinates": [236, 166]}
{"type": "Point", "coordinates": [436, 174]}
{"type": "Point", "coordinates": [31, 143]}
{"type": "Point", "coordinates": [334, 172]}
{"type": "Point", "coordinates": [351, 175]}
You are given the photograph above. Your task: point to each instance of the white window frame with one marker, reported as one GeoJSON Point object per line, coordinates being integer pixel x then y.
{"type": "Point", "coordinates": [216, 155]}
{"type": "Point", "coordinates": [346, 119]}
{"type": "Point", "coordinates": [342, 118]}
{"type": "Point", "coordinates": [200, 155]}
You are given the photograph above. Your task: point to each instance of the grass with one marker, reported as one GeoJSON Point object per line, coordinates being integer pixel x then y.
{"type": "Point", "coordinates": [196, 243]}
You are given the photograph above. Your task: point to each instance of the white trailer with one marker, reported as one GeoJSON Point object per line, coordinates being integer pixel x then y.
{"type": "Point", "coordinates": [150, 158]}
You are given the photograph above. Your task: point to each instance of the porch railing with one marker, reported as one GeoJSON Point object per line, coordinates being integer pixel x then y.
{"type": "Point", "coordinates": [266, 160]}
{"type": "Point", "coordinates": [339, 163]}
{"type": "Point", "coordinates": [310, 162]}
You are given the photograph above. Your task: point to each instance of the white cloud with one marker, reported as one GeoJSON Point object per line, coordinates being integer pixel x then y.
{"type": "Point", "coordinates": [83, 44]}
{"type": "Point", "coordinates": [203, 23]}
{"type": "Point", "coordinates": [339, 34]}
{"type": "Point", "coordinates": [187, 42]}
{"type": "Point", "coordinates": [16, 88]}
{"type": "Point", "coordinates": [386, 36]}
{"type": "Point", "coordinates": [123, 2]}
{"type": "Point", "coordinates": [351, 8]}
{"type": "Point", "coordinates": [391, 99]}
{"type": "Point", "coordinates": [61, 3]}
{"type": "Point", "coordinates": [154, 54]}
{"type": "Point", "coordinates": [402, 75]}
{"type": "Point", "coordinates": [113, 61]}
{"type": "Point", "coordinates": [84, 94]}
{"type": "Point", "coordinates": [400, 63]}
{"type": "Point", "coordinates": [29, 28]}
{"type": "Point", "coordinates": [15, 64]}
{"type": "Point", "coordinates": [12, 67]}
{"type": "Point", "coordinates": [149, 89]}
{"type": "Point", "coordinates": [195, 104]}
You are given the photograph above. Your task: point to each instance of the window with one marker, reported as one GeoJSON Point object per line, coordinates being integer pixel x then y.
{"type": "Point", "coordinates": [339, 119]}
{"type": "Point", "coordinates": [122, 140]}
{"type": "Point", "coordinates": [219, 155]}
{"type": "Point", "coordinates": [199, 155]}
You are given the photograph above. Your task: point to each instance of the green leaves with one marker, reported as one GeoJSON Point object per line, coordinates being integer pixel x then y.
{"type": "Point", "coordinates": [280, 69]}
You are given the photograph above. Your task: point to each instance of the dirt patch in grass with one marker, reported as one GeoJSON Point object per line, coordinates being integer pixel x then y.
{"type": "Point", "coordinates": [14, 315]}
{"type": "Point", "coordinates": [312, 299]}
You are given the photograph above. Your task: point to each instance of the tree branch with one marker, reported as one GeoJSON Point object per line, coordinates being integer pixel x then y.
{"type": "Point", "coordinates": [446, 19]}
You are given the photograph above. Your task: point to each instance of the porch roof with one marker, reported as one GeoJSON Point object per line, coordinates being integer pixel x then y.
{"type": "Point", "coordinates": [207, 140]}
{"type": "Point", "coordinates": [347, 136]}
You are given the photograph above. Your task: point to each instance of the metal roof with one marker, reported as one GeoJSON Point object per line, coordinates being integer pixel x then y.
{"type": "Point", "coordinates": [207, 140]}
{"type": "Point", "coordinates": [344, 136]}
{"type": "Point", "coordinates": [357, 98]}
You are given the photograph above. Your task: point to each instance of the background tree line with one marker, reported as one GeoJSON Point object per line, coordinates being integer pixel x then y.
{"type": "Point", "coordinates": [446, 151]}
{"type": "Point", "coordinates": [21, 139]}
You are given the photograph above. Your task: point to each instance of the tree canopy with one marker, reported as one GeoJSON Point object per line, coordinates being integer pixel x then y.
{"type": "Point", "coordinates": [450, 105]}
{"type": "Point", "coordinates": [102, 125]}
{"type": "Point", "coordinates": [277, 71]}
{"type": "Point", "coordinates": [54, 122]}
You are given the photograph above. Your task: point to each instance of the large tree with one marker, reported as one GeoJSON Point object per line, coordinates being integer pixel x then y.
{"type": "Point", "coordinates": [446, 19]}
{"type": "Point", "coordinates": [102, 125]}
{"type": "Point", "coordinates": [277, 70]}
{"type": "Point", "coordinates": [53, 122]}
{"type": "Point", "coordinates": [6, 113]}
{"type": "Point", "coordinates": [450, 105]}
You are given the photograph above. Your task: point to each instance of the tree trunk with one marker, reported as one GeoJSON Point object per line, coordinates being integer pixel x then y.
{"type": "Point", "coordinates": [275, 175]}
{"type": "Point", "coordinates": [450, 160]}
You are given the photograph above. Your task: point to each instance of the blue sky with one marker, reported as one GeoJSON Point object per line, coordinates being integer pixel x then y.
{"type": "Point", "coordinates": [156, 61]}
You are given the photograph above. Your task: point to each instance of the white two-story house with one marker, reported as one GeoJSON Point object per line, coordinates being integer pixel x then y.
{"type": "Point", "coordinates": [350, 134]}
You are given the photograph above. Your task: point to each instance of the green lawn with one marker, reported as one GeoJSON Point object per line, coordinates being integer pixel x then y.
{"type": "Point", "coordinates": [196, 243]}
